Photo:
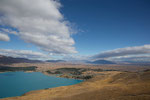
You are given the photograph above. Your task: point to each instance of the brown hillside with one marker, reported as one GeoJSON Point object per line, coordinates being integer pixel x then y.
{"type": "Point", "coordinates": [107, 86]}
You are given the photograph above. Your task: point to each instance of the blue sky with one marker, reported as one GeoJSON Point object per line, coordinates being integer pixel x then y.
{"type": "Point", "coordinates": [108, 24]}
{"type": "Point", "coordinates": [100, 25]}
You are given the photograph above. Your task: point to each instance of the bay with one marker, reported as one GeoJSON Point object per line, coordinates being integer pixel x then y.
{"type": "Point", "coordinates": [17, 83]}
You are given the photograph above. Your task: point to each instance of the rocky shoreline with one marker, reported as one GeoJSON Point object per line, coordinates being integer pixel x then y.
{"type": "Point", "coordinates": [75, 73]}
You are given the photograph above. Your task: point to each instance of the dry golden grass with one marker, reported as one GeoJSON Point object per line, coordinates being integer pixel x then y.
{"type": "Point", "coordinates": [48, 66]}
{"type": "Point", "coordinates": [107, 86]}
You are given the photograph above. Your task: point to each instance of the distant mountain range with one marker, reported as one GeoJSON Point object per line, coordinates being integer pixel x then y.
{"type": "Point", "coordinates": [55, 61]}
{"type": "Point", "coordinates": [101, 62]}
{"type": "Point", "coordinates": [11, 60]}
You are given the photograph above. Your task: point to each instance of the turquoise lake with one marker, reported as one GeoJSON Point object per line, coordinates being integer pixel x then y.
{"type": "Point", "coordinates": [18, 83]}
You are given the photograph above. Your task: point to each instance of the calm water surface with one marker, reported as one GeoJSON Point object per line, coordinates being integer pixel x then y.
{"type": "Point", "coordinates": [18, 83]}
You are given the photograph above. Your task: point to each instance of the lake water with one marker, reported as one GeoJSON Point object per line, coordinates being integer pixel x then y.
{"type": "Point", "coordinates": [18, 83]}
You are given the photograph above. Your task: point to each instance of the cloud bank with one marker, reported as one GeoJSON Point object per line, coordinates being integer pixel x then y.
{"type": "Point", "coordinates": [24, 54]}
{"type": "Point", "coordinates": [38, 22]}
{"type": "Point", "coordinates": [4, 37]}
{"type": "Point", "coordinates": [128, 53]}
{"type": "Point", "coordinates": [136, 58]}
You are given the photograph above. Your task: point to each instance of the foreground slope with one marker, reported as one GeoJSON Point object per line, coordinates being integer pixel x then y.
{"type": "Point", "coordinates": [106, 86]}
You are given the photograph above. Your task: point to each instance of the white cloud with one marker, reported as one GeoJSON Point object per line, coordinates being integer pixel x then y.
{"type": "Point", "coordinates": [24, 54]}
{"type": "Point", "coordinates": [8, 31]}
{"type": "Point", "coordinates": [128, 53]}
{"type": "Point", "coordinates": [38, 22]}
{"type": "Point", "coordinates": [4, 37]}
{"type": "Point", "coordinates": [143, 58]}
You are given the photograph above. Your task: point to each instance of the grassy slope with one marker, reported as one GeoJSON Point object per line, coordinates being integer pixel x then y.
{"type": "Point", "coordinates": [110, 86]}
